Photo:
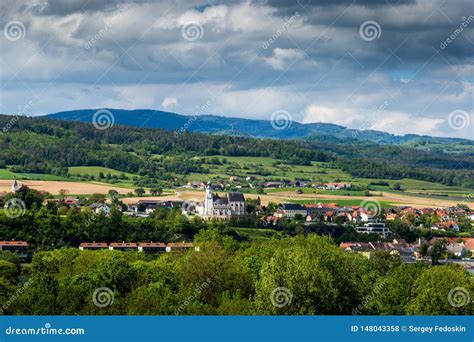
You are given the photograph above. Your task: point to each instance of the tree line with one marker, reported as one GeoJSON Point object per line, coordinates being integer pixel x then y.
{"type": "Point", "coordinates": [291, 276]}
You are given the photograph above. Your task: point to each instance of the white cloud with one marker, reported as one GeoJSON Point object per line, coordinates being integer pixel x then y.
{"type": "Point", "coordinates": [395, 122]}
{"type": "Point", "coordinates": [402, 123]}
{"type": "Point", "coordinates": [169, 102]}
{"type": "Point", "coordinates": [340, 116]}
{"type": "Point", "coordinates": [284, 57]}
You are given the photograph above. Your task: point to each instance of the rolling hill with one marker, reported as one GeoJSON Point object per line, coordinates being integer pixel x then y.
{"type": "Point", "coordinates": [42, 145]}
{"type": "Point", "coordinates": [214, 124]}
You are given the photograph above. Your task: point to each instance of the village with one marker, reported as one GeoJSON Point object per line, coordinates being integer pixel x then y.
{"type": "Point", "coordinates": [368, 218]}
{"type": "Point", "coordinates": [251, 182]}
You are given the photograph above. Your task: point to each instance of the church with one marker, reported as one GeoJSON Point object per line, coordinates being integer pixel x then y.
{"type": "Point", "coordinates": [15, 186]}
{"type": "Point", "coordinates": [215, 206]}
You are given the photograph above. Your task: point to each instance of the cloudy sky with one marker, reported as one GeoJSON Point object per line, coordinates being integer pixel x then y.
{"type": "Point", "coordinates": [402, 66]}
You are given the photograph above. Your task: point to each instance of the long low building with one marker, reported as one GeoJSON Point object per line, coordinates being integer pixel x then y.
{"type": "Point", "coordinates": [123, 246]}
{"type": "Point", "coordinates": [92, 246]}
{"type": "Point", "coordinates": [18, 247]}
{"type": "Point", "coordinates": [144, 247]}
{"type": "Point", "coordinates": [374, 228]}
{"type": "Point", "coordinates": [152, 247]}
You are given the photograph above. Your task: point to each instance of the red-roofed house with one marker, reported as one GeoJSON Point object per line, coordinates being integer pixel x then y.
{"type": "Point", "coordinates": [152, 247]}
{"type": "Point", "coordinates": [446, 225]}
{"type": "Point", "coordinates": [123, 246]}
{"type": "Point", "coordinates": [92, 246]}
{"type": "Point", "coordinates": [17, 247]}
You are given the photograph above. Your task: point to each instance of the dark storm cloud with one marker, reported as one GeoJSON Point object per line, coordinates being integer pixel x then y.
{"type": "Point", "coordinates": [307, 3]}
{"type": "Point", "coordinates": [288, 6]}
{"type": "Point", "coordinates": [60, 7]}
{"type": "Point", "coordinates": [416, 28]}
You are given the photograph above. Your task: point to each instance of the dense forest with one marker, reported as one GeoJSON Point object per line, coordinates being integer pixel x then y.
{"type": "Point", "coordinates": [39, 145]}
{"type": "Point", "coordinates": [291, 276]}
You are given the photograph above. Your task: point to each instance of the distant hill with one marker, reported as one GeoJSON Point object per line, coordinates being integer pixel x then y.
{"type": "Point", "coordinates": [46, 146]}
{"type": "Point", "coordinates": [214, 124]}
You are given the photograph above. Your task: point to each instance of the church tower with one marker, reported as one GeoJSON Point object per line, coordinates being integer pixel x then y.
{"type": "Point", "coordinates": [15, 186]}
{"type": "Point", "coordinates": [208, 201]}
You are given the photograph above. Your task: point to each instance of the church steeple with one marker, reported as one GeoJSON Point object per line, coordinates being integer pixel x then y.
{"type": "Point", "coordinates": [208, 201]}
{"type": "Point", "coordinates": [15, 186]}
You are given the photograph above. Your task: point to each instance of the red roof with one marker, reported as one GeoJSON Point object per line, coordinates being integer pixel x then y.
{"type": "Point", "coordinates": [271, 218]}
{"type": "Point", "coordinates": [93, 244]}
{"type": "Point", "coordinates": [152, 244]}
{"type": "Point", "coordinates": [312, 205]}
{"type": "Point", "coordinates": [469, 243]}
{"type": "Point", "coordinates": [13, 243]}
{"type": "Point", "coordinates": [123, 244]}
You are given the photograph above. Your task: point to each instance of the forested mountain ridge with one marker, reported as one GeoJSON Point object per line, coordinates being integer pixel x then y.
{"type": "Point", "coordinates": [43, 145]}
{"type": "Point", "coordinates": [214, 124]}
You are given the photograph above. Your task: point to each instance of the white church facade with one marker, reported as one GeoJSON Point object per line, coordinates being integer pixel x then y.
{"type": "Point", "coordinates": [215, 206]}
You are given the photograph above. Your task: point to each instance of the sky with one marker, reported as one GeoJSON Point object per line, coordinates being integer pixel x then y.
{"type": "Point", "coordinates": [401, 66]}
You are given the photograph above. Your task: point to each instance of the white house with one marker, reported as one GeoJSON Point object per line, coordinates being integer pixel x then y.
{"type": "Point", "coordinates": [98, 208]}
{"type": "Point", "coordinates": [290, 210]}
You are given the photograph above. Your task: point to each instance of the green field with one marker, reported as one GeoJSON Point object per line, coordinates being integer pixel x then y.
{"type": "Point", "coordinates": [319, 191]}
{"type": "Point", "coordinates": [422, 187]}
{"type": "Point", "coordinates": [458, 148]}
{"type": "Point", "coordinates": [264, 168]}
{"type": "Point", "coordinates": [317, 172]}
{"type": "Point", "coordinates": [342, 202]}
{"type": "Point", "coordinates": [7, 174]}
{"type": "Point", "coordinates": [95, 170]}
